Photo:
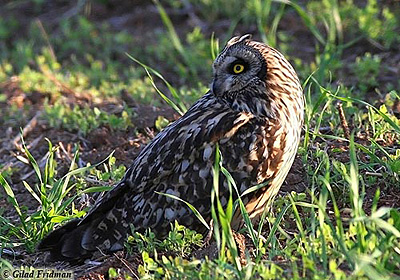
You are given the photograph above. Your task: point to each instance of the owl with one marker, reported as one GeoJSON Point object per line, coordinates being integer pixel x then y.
{"type": "Point", "coordinates": [253, 112]}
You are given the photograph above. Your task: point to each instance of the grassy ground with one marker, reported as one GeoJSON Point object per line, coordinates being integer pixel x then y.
{"type": "Point", "coordinates": [69, 88]}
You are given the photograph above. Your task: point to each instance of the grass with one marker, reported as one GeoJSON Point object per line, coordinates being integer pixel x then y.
{"type": "Point", "coordinates": [84, 119]}
{"type": "Point", "coordinates": [346, 222]}
{"type": "Point", "coordinates": [53, 196]}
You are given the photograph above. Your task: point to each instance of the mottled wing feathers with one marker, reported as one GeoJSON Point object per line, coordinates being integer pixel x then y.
{"type": "Point", "coordinates": [179, 161]}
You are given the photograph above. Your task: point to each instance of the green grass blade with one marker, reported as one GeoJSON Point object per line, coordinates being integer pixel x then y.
{"type": "Point", "coordinates": [254, 188]}
{"type": "Point", "coordinates": [163, 96]}
{"type": "Point", "coordinates": [10, 194]}
{"type": "Point", "coordinates": [87, 168]}
{"type": "Point", "coordinates": [225, 216]}
{"type": "Point", "coordinates": [32, 161]}
{"type": "Point", "coordinates": [338, 229]}
{"type": "Point", "coordinates": [298, 221]}
{"type": "Point", "coordinates": [387, 227]}
{"type": "Point", "coordinates": [276, 224]}
{"type": "Point", "coordinates": [49, 168]}
{"type": "Point", "coordinates": [242, 207]}
{"type": "Point", "coordinates": [214, 46]}
{"type": "Point", "coordinates": [97, 189]}
{"type": "Point", "coordinates": [180, 108]}
{"type": "Point", "coordinates": [176, 42]}
{"type": "Point", "coordinates": [32, 192]}
{"type": "Point", "coordinates": [65, 204]}
{"type": "Point", "coordinates": [170, 27]}
{"type": "Point", "coordinates": [275, 24]}
{"type": "Point", "coordinates": [306, 19]}
{"type": "Point", "coordinates": [354, 180]}
{"type": "Point", "coordinates": [220, 240]}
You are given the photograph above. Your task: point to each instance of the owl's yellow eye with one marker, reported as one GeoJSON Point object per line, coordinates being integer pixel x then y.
{"type": "Point", "coordinates": [238, 68]}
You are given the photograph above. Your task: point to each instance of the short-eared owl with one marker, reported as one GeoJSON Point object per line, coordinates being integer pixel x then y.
{"type": "Point", "coordinates": [254, 111]}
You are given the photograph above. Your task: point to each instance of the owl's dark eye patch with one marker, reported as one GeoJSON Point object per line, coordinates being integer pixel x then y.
{"type": "Point", "coordinates": [237, 67]}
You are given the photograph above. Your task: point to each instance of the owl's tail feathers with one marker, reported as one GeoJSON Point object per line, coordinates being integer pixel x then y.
{"type": "Point", "coordinates": [104, 228]}
{"type": "Point", "coordinates": [64, 243]}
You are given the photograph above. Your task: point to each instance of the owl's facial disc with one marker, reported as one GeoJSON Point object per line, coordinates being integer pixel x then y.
{"type": "Point", "coordinates": [235, 68]}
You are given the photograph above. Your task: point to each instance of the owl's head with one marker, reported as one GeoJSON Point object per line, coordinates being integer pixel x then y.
{"type": "Point", "coordinates": [237, 66]}
{"type": "Point", "coordinates": [254, 77]}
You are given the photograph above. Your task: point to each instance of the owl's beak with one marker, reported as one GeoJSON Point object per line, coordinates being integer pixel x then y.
{"type": "Point", "coordinates": [217, 87]}
{"type": "Point", "coordinates": [213, 87]}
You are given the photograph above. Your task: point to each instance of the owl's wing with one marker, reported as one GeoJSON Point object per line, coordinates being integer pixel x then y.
{"type": "Point", "coordinates": [174, 161]}
{"type": "Point", "coordinates": [178, 161]}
